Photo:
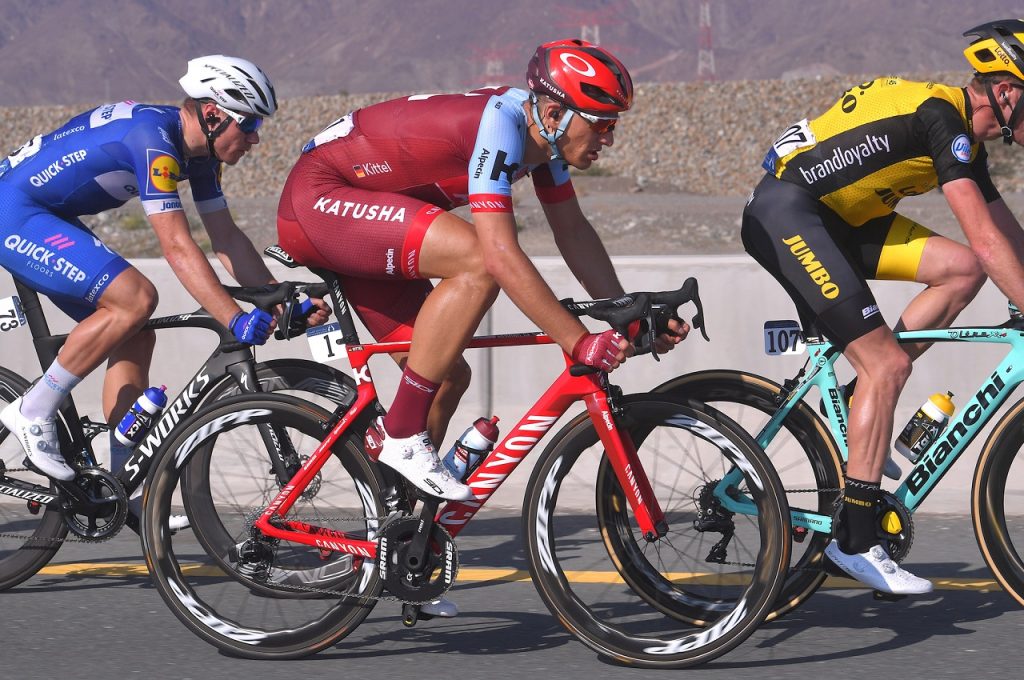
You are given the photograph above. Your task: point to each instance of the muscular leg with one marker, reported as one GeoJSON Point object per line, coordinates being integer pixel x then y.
{"type": "Point", "coordinates": [953, 278]}
{"type": "Point", "coordinates": [123, 308]}
{"type": "Point", "coordinates": [127, 374]}
{"type": "Point", "coordinates": [453, 311]}
{"type": "Point", "coordinates": [882, 370]}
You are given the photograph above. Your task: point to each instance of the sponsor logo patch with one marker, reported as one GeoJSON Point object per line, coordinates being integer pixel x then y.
{"type": "Point", "coordinates": [164, 172]}
{"type": "Point", "coordinates": [961, 148]}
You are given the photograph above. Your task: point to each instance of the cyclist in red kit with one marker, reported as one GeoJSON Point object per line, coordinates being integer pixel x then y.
{"type": "Point", "coordinates": [369, 199]}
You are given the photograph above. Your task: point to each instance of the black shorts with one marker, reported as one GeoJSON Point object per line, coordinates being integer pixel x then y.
{"type": "Point", "coordinates": [824, 262]}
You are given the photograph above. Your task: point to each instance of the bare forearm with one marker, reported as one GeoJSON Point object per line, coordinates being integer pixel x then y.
{"type": "Point", "coordinates": [529, 292]}
{"type": "Point", "coordinates": [190, 265]}
{"type": "Point", "coordinates": [589, 262]}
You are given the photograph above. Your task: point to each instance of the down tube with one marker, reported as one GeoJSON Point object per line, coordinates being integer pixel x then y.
{"type": "Point", "coordinates": [517, 444]}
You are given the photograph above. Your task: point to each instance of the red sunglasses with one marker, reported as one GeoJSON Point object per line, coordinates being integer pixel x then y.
{"type": "Point", "coordinates": [597, 123]}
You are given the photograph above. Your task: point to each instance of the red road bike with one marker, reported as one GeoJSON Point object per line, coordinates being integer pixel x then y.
{"type": "Point", "coordinates": [626, 541]}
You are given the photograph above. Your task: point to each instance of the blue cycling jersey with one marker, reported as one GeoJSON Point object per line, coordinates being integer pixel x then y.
{"type": "Point", "coordinates": [96, 161]}
{"type": "Point", "coordinates": [102, 158]}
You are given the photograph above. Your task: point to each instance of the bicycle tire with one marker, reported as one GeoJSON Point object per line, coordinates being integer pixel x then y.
{"type": "Point", "coordinates": [995, 511]}
{"type": "Point", "coordinates": [750, 400]}
{"type": "Point", "coordinates": [244, 613]}
{"type": "Point", "coordinates": [564, 547]}
{"type": "Point", "coordinates": [44, 530]}
{"type": "Point", "coordinates": [306, 379]}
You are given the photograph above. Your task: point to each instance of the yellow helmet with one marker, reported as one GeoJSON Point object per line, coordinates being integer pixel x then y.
{"type": "Point", "coordinates": [998, 47]}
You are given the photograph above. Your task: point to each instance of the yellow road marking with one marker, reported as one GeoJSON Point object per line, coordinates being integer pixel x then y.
{"type": "Point", "coordinates": [477, 574]}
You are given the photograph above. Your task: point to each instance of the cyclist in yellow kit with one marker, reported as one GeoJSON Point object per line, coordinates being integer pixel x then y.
{"type": "Point", "coordinates": [823, 222]}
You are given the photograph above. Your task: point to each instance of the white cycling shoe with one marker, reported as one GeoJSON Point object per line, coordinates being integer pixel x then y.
{"type": "Point", "coordinates": [876, 569]}
{"type": "Point", "coordinates": [415, 458]}
{"type": "Point", "coordinates": [39, 439]}
{"type": "Point", "coordinates": [442, 608]}
{"type": "Point", "coordinates": [175, 523]}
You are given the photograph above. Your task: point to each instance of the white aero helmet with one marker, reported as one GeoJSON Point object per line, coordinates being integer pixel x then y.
{"type": "Point", "coordinates": [232, 83]}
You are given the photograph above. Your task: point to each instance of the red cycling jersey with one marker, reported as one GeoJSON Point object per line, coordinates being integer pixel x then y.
{"type": "Point", "coordinates": [366, 189]}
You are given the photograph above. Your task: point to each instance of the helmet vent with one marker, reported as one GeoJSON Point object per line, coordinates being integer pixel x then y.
{"type": "Point", "coordinates": [598, 94]}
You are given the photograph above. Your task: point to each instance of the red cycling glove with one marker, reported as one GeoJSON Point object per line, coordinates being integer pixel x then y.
{"type": "Point", "coordinates": [598, 350]}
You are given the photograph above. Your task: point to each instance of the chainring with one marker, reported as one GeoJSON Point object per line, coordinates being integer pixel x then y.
{"type": "Point", "coordinates": [896, 540]}
{"type": "Point", "coordinates": [427, 583]}
{"type": "Point", "coordinates": [103, 518]}
{"type": "Point", "coordinates": [897, 543]}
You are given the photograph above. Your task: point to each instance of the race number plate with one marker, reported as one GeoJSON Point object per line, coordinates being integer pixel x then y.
{"type": "Point", "coordinates": [325, 342]}
{"type": "Point", "coordinates": [783, 337]}
{"type": "Point", "coordinates": [11, 314]}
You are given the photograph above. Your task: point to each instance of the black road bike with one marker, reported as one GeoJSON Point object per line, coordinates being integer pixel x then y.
{"type": "Point", "coordinates": [37, 514]}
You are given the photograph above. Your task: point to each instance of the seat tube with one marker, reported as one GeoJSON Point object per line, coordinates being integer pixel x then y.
{"type": "Point", "coordinates": [622, 455]}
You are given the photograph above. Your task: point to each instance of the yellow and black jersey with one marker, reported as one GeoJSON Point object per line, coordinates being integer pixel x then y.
{"type": "Point", "coordinates": [883, 140]}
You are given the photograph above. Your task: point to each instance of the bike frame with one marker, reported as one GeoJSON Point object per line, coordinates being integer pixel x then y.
{"type": "Point", "coordinates": [567, 389]}
{"type": "Point", "coordinates": [230, 358]}
{"type": "Point", "coordinates": [936, 461]}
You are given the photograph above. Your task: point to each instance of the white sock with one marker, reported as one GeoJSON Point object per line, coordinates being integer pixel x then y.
{"type": "Point", "coordinates": [45, 397]}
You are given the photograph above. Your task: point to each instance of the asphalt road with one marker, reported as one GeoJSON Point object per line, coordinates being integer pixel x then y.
{"type": "Point", "coordinates": [82, 618]}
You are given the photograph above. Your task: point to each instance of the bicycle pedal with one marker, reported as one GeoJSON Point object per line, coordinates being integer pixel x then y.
{"type": "Point", "coordinates": [799, 534]}
{"type": "Point", "coordinates": [410, 615]}
{"type": "Point", "coordinates": [886, 597]}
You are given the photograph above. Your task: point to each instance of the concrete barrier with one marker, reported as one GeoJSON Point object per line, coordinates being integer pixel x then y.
{"type": "Point", "coordinates": [738, 298]}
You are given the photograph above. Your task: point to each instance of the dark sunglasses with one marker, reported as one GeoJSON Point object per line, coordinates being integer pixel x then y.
{"type": "Point", "coordinates": [247, 124]}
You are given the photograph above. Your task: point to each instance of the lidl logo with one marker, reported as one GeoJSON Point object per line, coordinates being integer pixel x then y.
{"type": "Point", "coordinates": [164, 173]}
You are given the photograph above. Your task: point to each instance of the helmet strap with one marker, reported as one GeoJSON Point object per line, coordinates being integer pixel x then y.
{"type": "Point", "coordinates": [210, 134]}
{"type": "Point", "coordinates": [551, 137]}
{"type": "Point", "coordinates": [1006, 127]}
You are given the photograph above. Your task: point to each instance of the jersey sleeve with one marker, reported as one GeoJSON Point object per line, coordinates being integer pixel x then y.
{"type": "Point", "coordinates": [157, 167]}
{"type": "Point", "coordinates": [552, 183]}
{"type": "Point", "coordinates": [204, 178]}
{"type": "Point", "coordinates": [497, 158]}
{"type": "Point", "coordinates": [947, 141]}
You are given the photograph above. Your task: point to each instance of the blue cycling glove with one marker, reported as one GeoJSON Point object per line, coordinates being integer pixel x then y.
{"type": "Point", "coordinates": [305, 307]}
{"type": "Point", "coordinates": [252, 328]}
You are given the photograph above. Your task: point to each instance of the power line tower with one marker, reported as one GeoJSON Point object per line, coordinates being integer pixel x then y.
{"type": "Point", "coordinates": [705, 51]}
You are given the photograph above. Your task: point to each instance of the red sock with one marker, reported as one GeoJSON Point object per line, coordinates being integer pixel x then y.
{"type": "Point", "coordinates": [408, 413]}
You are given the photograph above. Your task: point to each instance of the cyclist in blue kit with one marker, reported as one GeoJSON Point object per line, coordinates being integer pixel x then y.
{"type": "Point", "coordinates": [99, 160]}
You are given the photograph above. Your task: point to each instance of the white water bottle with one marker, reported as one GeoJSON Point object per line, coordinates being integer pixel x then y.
{"type": "Point", "coordinates": [926, 425]}
{"type": "Point", "coordinates": [136, 422]}
{"type": "Point", "coordinates": [471, 447]}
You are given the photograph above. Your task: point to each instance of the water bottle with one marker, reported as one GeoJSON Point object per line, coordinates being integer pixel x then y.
{"type": "Point", "coordinates": [469, 449]}
{"type": "Point", "coordinates": [926, 425]}
{"type": "Point", "coordinates": [140, 417]}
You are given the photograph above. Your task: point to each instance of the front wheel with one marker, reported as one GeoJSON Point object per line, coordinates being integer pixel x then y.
{"type": "Point", "coordinates": [253, 596]}
{"type": "Point", "coordinates": [998, 511]}
{"type": "Point", "coordinates": [31, 533]}
{"type": "Point", "coordinates": [634, 605]}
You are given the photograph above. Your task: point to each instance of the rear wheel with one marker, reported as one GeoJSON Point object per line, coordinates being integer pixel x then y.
{"type": "Point", "coordinates": [239, 590]}
{"type": "Point", "coordinates": [803, 454]}
{"type": "Point", "coordinates": [684, 598]}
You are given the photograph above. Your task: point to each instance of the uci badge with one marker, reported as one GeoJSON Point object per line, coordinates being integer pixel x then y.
{"type": "Point", "coordinates": [961, 148]}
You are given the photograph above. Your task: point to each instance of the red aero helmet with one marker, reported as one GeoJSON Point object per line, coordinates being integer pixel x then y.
{"type": "Point", "coordinates": [582, 76]}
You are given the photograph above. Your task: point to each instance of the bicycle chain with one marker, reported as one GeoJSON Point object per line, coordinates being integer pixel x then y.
{"type": "Point", "coordinates": [50, 539]}
{"type": "Point", "coordinates": [754, 564]}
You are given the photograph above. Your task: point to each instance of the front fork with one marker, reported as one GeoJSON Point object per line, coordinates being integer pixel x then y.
{"type": "Point", "coordinates": [621, 452]}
